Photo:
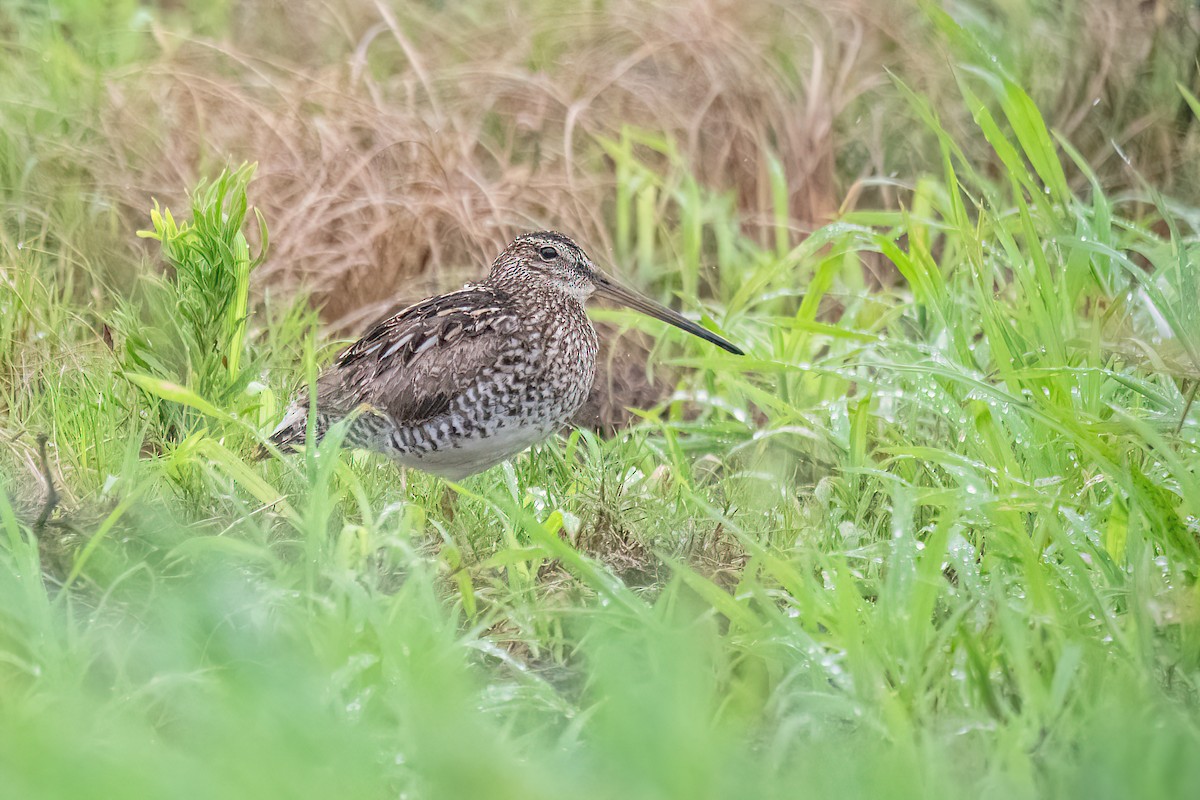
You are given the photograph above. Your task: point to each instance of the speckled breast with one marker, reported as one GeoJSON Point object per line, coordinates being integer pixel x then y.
{"type": "Point", "coordinates": [537, 384]}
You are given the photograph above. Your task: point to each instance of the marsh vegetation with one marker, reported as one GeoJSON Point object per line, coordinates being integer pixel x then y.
{"type": "Point", "coordinates": [937, 534]}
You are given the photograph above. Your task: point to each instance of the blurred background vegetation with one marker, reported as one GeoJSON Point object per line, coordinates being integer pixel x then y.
{"type": "Point", "coordinates": [939, 533]}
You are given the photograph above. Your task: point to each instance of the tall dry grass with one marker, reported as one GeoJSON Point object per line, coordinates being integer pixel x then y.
{"type": "Point", "coordinates": [398, 163]}
{"type": "Point", "coordinates": [400, 144]}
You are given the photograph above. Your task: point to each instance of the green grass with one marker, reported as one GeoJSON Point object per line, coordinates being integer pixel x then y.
{"type": "Point", "coordinates": [935, 537]}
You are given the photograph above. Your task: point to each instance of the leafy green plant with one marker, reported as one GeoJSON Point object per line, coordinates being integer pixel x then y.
{"type": "Point", "coordinates": [185, 342]}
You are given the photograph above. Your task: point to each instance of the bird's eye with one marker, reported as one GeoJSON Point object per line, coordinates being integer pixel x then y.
{"type": "Point", "coordinates": [548, 254]}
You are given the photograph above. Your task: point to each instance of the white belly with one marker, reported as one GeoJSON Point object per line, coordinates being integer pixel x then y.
{"type": "Point", "coordinates": [475, 454]}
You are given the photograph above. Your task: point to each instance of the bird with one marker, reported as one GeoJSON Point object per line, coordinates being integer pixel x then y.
{"type": "Point", "coordinates": [460, 382]}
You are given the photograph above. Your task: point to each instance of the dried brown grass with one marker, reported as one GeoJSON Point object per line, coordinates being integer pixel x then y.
{"type": "Point", "coordinates": [401, 165]}
{"type": "Point", "coordinates": [401, 145]}
{"type": "Point", "coordinates": [396, 165]}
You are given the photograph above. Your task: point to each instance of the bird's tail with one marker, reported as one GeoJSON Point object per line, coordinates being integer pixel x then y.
{"type": "Point", "coordinates": [292, 431]}
{"type": "Point", "coordinates": [366, 424]}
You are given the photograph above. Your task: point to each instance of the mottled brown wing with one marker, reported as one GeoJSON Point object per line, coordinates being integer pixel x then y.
{"type": "Point", "coordinates": [414, 364]}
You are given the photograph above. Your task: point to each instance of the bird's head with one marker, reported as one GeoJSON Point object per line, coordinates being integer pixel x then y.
{"type": "Point", "coordinates": [546, 260]}
{"type": "Point", "coordinates": [550, 260]}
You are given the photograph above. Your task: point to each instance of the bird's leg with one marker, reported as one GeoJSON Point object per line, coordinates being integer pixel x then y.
{"type": "Point", "coordinates": [51, 494]}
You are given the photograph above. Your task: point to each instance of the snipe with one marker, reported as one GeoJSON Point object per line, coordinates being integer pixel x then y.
{"type": "Point", "coordinates": [460, 382]}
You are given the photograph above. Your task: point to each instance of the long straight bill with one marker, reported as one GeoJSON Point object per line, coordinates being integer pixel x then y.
{"type": "Point", "coordinates": [607, 287]}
